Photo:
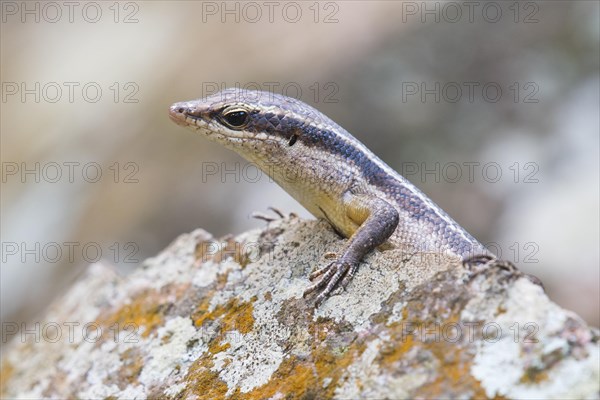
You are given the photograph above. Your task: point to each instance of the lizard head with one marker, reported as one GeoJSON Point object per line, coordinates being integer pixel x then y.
{"type": "Point", "coordinates": [292, 142]}
{"type": "Point", "coordinates": [304, 151]}
{"type": "Point", "coordinates": [253, 122]}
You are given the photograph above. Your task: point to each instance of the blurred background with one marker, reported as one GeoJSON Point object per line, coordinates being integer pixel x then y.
{"type": "Point", "coordinates": [491, 108]}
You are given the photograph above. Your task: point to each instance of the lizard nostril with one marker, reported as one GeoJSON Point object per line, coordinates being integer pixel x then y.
{"type": "Point", "coordinates": [180, 110]}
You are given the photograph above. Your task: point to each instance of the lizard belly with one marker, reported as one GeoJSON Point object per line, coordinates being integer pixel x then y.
{"type": "Point", "coordinates": [332, 210]}
{"type": "Point", "coordinates": [328, 206]}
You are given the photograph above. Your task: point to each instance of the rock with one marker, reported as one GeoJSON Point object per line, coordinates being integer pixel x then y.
{"type": "Point", "coordinates": [210, 318]}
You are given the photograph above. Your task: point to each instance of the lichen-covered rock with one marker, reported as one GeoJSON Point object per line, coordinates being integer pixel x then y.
{"type": "Point", "coordinates": [211, 318]}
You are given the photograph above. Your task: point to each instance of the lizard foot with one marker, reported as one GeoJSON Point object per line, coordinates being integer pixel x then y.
{"type": "Point", "coordinates": [481, 262]}
{"type": "Point", "coordinates": [267, 218]}
{"type": "Point", "coordinates": [321, 271]}
{"type": "Point", "coordinates": [332, 274]}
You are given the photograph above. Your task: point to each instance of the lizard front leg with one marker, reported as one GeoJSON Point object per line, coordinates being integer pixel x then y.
{"type": "Point", "coordinates": [376, 219]}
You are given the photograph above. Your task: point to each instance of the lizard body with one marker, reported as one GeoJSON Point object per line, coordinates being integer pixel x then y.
{"type": "Point", "coordinates": [329, 172]}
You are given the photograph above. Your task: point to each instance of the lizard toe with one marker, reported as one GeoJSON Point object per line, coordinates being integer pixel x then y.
{"type": "Point", "coordinates": [327, 273]}
{"type": "Point", "coordinates": [331, 279]}
{"type": "Point", "coordinates": [349, 276]}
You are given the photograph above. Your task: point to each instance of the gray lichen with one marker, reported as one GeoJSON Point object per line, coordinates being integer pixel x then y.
{"type": "Point", "coordinates": [214, 318]}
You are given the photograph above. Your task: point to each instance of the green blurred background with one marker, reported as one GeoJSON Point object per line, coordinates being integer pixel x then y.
{"type": "Point", "coordinates": [512, 87]}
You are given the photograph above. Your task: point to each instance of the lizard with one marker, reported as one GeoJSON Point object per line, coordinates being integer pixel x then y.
{"type": "Point", "coordinates": [330, 173]}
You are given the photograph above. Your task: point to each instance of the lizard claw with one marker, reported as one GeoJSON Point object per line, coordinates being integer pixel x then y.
{"type": "Point", "coordinates": [321, 271]}
{"type": "Point", "coordinates": [267, 218]}
{"type": "Point", "coordinates": [349, 276]}
{"type": "Point", "coordinates": [262, 217]}
{"type": "Point", "coordinates": [276, 211]}
{"type": "Point", "coordinates": [332, 274]}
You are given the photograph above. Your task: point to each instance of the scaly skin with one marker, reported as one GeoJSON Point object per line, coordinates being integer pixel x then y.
{"type": "Point", "coordinates": [330, 173]}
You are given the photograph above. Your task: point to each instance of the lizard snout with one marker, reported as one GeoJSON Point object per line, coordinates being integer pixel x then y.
{"type": "Point", "coordinates": [178, 113]}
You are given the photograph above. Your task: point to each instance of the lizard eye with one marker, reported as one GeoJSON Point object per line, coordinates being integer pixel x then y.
{"type": "Point", "coordinates": [236, 118]}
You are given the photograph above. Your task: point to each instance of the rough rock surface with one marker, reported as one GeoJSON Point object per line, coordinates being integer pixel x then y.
{"type": "Point", "coordinates": [225, 318]}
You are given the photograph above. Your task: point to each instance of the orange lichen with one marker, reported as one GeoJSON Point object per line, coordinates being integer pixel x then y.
{"type": "Point", "coordinates": [401, 342]}
{"type": "Point", "coordinates": [203, 383]}
{"type": "Point", "coordinates": [453, 372]}
{"type": "Point", "coordinates": [234, 315]}
{"type": "Point", "coordinates": [334, 348]}
{"type": "Point", "coordinates": [292, 379]}
{"type": "Point", "coordinates": [145, 311]}
{"type": "Point", "coordinates": [132, 363]}
{"type": "Point", "coordinates": [218, 346]}
{"type": "Point", "coordinates": [6, 372]}
{"type": "Point", "coordinates": [301, 378]}
{"type": "Point", "coordinates": [534, 375]}
{"type": "Point", "coordinates": [143, 315]}
{"type": "Point", "coordinates": [322, 328]}
{"type": "Point", "coordinates": [453, 362]}
{"type": "Point", "coordinates": [295, 378]}
{"type": "Point", "coordinates": [333, 366]}
{"type": "Point", "coordinates": [394, 352]}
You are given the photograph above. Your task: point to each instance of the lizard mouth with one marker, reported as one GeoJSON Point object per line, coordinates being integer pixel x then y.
{"type": "Point", "coordinates": [182, 114]}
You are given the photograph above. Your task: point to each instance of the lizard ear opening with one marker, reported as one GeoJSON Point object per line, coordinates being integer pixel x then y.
{"type": "Point", "coordinates": [293, 140]}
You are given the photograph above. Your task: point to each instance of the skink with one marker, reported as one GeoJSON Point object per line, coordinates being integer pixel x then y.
{"type": "Point", "coordinates": [330, 173]}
